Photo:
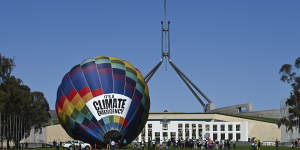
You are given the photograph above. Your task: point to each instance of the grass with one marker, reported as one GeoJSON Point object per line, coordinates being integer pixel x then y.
{"type": "Point", "coordinates": [238, 148]}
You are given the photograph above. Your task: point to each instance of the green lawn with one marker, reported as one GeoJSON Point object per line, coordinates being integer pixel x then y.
{"type": "Point", "coordinates": [238, 148]}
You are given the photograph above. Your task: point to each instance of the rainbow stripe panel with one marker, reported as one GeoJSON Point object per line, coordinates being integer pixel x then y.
{"type": "Point", "coordinates": [95, 77]}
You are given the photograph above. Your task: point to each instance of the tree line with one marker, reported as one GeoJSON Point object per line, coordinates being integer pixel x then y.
{"type": "Point", "coordinates": [20, 108]}
{"type": "Point", "coordinates": [290, 74]}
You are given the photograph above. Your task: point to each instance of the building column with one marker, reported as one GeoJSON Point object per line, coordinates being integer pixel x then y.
{"type": "Point", "coordinates": [190, 130]}
{"type": "Point", "coordinates": [197, 131]}
{"type": "Point", "coordinates": [183, 131]}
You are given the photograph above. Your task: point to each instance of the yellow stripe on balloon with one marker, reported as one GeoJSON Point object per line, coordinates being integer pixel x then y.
{"type": "Point", "coordinates": [79, 105]}
{"type": "Point", "coordinates": [87, 97]}
{"type": "Point", "coordinates": [76, 99]}
{"type": "Point", "coordinates": [116, 119]}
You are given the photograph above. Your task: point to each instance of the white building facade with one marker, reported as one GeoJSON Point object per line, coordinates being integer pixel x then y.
{"type": "Point", "coordinates": [185, 129]}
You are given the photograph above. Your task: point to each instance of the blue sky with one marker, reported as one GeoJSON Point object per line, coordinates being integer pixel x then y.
{"type": "Point", "coordinates": [232, 50]}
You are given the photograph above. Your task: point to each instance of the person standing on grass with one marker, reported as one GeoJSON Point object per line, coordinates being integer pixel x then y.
{"type": "Point", "coordinates": [113, 144]}
{"type": "Point", "coordinates": [277, 144]}
{"type": "Point", "coordinates": [57, 145]}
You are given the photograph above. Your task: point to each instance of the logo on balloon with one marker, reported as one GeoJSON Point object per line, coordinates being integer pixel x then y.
{"type": "Point", "coordinates": [109, 104]}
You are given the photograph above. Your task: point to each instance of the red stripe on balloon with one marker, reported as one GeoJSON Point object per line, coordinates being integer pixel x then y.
{"type": "Point", "coordinates": [129, 87]}
{"type": "Point", "coordinates": [84, 91]}
{"type": "Point", "coordinates": [104, 70]}
{"type": "Point", "coordinates": [136, 100]}
{"type": "Point", "coordinates": [72, 94]}
{"type": "Point", "coordinates": [89, 68]}
{"type": "Point", "coordinates": [75, 70]}
{"type": "Point", "coordinates": [56, 108]}
{"type": "Point", "coordinates": [119, 77]}
{"type": "Point", "coordinates": [125, 123]}
{"type": "Point", "coordinates": [97, 92]}
{"type": "Point", "coordinates": [61, 101]}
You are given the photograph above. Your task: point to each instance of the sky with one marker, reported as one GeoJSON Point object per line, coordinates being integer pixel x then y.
{"type": "Point", "coordinates": [232, 50]}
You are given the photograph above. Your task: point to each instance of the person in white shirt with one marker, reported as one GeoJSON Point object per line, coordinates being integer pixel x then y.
{"type": "Point", "coordinates": [113, 145]}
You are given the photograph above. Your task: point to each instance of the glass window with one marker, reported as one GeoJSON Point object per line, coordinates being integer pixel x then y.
{"type": "Point", "coordinates": [230, 136]}
{"type": "Point", "coordinates": [179, 125]}
{"type": "Point", "coordinates": [165, 126]}
{"type": "Point", "coordinates": [215, 127]}
{"type": "Point", "coordinates": [157, 136]}
{"type": "Point", "coordinates": [238, 127]}
{"type": "Point", "coordinates": [200, 131]}
{"type": "Point", "coordinates": [199, 126]}
{"type": "Point", "coordinates": [149, 125]}
{"type": "Point", "coordinates": [222, 127]}
{"type": "Point", "coordinates": [238, 136]}
{"type": "Point", "coordinates": [230, 127]}
{"type": "Point", "coordinates": [222, 136]}
{"type": "Point", "coordinates": [215, 136]}
{"type": "Point", "coordinates": [187, 125]}
{"type": "Point", "coordinates": [207, 127]}
{"type": "Point", "coordinates": [194, 133]}
{"type": "Point", "coordinates": [193, 126]}
{"type": "Point", "coordinates": [165, 136]}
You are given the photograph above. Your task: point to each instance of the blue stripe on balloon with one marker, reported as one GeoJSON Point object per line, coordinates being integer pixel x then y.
{"type": "Point", "coordinates": [119, 86]}
{"type": "Point", "coordinates": [66, 85]}
{"type": "Point", "coordinates": [78, 80]}
{"type": "Point", "coordinates": [92, 80]}
{"type": "Point", "coordinates": [106, 80]}
{"type": "Point", "coordinates": [92, 76]}
{"type": "Point", "coordinates": [59, 95]}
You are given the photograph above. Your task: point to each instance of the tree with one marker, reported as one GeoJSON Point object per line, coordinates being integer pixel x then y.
{"type": "Point", "coordinates": [290, 75]}
{"type": "Point", "coordinates": [21, 110]}
{"type": "Point", "coordinates": [6, 66]}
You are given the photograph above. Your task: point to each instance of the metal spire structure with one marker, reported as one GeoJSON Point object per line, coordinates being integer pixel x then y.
{"type": "Point", "coordinates": [165, 57]}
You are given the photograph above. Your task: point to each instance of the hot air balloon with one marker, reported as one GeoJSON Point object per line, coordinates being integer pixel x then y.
{"type": "Point", "coordinates": [103, 98]}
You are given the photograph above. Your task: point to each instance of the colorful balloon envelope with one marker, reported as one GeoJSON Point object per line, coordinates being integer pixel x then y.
{"type": "Point", "coordinates": [103, 98]}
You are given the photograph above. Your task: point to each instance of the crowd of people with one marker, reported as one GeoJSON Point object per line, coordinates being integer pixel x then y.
{"type": "Point", "coordinates": [182, 144]}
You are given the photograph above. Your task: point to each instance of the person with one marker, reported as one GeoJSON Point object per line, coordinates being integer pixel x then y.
{"type": "Point", "coordinates": [233, 144]}
{"type": "Point", "coordinates": [296, 143]}
{"type": "Point", "coordinates": [73, 145]}
{"type": "Point", "coordinates": [57, 145]}
{"type": "Point", "coordinates": [168, 144]}
{"type": "Point", "coordinates": [143, 144]}
{"type": "Point", "coordinates": [258, 145]}
{"type": "Point", "coordinates": [113, 144]}
{"type": "Point", "coordinates": [277, 144]}
{"type": "Point", "coordinates": [153, 144]}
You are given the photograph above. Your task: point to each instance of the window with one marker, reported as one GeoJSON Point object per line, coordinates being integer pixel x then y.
{"type": "Point", "coordinates": [194, 133]}
{"type": "Point", "coordinates": [230, 127]}
{"type": "Point", "coordinates": [149, 125]}
{"type": "Point", "coordinates": [215, 127]}
{"type": "Point", "coordinates": [230, 137]}
{"type": "Point", "coordinates": [187, 130]}
{"type": "Point", "coordinates": [238, 127]}
{"type": "Point", "coordinates": [173, 136]}
{"type": "Point", "coordinates": [165, 126]}
{"type": "Point", "coordinates": [199, 126]}
{"type": "Point", "coordinates": [157, 136]}
{"type": "Point", "coordinates": [207, 127]}
{"type": "Point", "coordinates": [193, 126]}
{"type": "Point", "coordinates": [215, 136]}
{"type": "Point", "coordinates": [222, 136]}
{"type": "Point", "coordinates": [165, 136]}
{"type": "Point", "coordinates": [200, 131]}
{"type": "Point", "coordinates": [222, 127]}
{"type": "Point", "coordinates": [238, 136]}
{"type": "Point", "coordinates": [179, 125]}
{"type": "Point", "coordinates": [180, 133]}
